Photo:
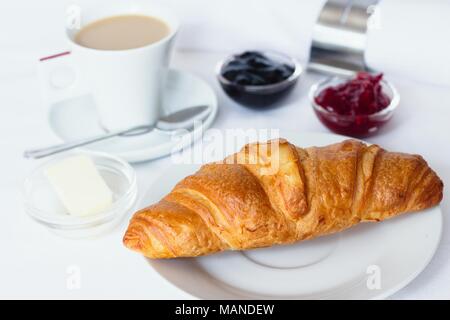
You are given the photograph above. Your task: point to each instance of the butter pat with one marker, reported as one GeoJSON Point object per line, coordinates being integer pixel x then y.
{"type": "Point", "coordinates": [79, 186]}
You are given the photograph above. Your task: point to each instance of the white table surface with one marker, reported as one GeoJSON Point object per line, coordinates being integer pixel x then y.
{"type": "Point", "coordinates": [34, 261]}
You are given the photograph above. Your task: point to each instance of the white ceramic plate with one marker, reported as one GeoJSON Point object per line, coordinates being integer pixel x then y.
{"type": "Point", "coordinates": [338, 266]}
{"type": "Point", "coordinates": [182, 90]}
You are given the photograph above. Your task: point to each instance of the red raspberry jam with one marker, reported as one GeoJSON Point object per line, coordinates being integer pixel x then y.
{"type": "Point", "coordinates": [351, 107]}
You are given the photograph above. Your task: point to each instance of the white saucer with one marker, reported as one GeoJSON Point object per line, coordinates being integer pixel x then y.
{"type": "Point", "coordinates": [77, 118]}
{"type": "Point", "coordinates": [338, 266]}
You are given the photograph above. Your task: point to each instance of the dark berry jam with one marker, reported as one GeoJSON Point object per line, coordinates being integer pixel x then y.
{"type": "Point", "coordinates": [352, 107]}
{"type": "Point", "coordinates": [256, 79]}
{"type": "Point", "coordinates": [255, 69]}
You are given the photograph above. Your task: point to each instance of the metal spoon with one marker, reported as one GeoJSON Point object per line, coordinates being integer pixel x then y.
{"type": "Point", "coordinates": [182, 119]}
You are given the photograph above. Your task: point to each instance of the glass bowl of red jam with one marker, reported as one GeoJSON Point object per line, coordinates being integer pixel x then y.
{"type": "Point", "coordinates": [357, 105]}
{"type": "Point", "coordinates": [258, 79]}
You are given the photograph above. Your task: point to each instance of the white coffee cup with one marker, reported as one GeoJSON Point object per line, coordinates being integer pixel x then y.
{"type": "Point", "coordinates": [126, 84]}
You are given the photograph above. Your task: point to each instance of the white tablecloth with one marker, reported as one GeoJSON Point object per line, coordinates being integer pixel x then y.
{"type": "Point", "coordinates": [34, 262]}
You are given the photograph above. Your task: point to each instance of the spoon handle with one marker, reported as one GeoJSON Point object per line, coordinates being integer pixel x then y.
{"type": "Point", "coordinates": [44, 152]}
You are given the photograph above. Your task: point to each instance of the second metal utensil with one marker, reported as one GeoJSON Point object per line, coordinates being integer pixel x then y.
{"type": "Point", "coordinates": [182, 119]}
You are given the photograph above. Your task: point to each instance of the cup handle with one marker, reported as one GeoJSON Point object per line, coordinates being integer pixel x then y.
{"type": "Point", "coordinates": [59, 78]}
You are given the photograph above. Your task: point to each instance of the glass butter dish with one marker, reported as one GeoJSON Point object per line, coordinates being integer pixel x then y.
{"type": "Point", "coordinates": [43, 205]}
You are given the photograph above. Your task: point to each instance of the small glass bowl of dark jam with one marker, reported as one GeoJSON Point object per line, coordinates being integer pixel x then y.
{"type": "Point", "coordinates": [356, 105]}
{"type": "Point", "coordinates": [258, 79]}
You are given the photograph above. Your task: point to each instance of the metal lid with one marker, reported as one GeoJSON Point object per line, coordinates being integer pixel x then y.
{"type": "Point", "coordinates": [339, 36]}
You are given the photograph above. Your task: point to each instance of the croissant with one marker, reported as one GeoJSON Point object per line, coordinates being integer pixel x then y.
{"type": "Point", "coordinates": [276, 193]}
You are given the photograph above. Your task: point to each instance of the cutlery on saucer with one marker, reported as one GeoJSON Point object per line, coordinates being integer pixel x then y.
{"type": "Point", "coordinates": [182, 119]}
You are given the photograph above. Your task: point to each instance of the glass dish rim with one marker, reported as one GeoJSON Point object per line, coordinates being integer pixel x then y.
{"type": "Point", "coordinates": [74, 222]}
{"type": "Point", "coordinates": [298, 70]}
{"type": "Point", "coordinates": [318, 86]}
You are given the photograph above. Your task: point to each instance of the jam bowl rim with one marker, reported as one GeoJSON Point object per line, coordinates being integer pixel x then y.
{"type": "Point", "coordinates": [260, 89]}
{"type": "Point", "coordinates": [317, 87]}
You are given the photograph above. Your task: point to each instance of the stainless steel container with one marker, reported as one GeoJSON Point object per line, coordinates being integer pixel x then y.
{"type": "Point", "coordinates": [339, 36]}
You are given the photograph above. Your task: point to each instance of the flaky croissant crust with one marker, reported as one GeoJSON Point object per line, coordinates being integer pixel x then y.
{"type": "Point", "coordinates": [241, 203]}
